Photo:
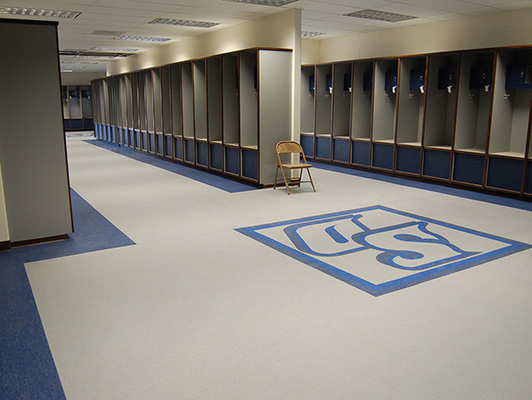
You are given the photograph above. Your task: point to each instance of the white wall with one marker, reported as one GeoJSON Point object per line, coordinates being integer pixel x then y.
{"type": "Point", "coordinates": [79, 78]}
{"type": "Point", "coordinates": [512, 28]}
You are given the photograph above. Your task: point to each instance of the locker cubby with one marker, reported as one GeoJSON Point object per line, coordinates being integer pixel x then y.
{"type": "Point", "coordinates": [214, 99]}
{"type": "Point", "coordinates": [341, 100]}
{"type": "Point", "coordinates": [187, 91]}
{"type": "Point", "coordinates": [411, 101]}
{"type": "Point", "coordinates": [362, 89]}
{"type": "Point", "coordinates": [440, 112]}
{"type": "Point", "coordinates": [202, 153]}
{"type": "Point", "coordinates": [307, 110]}
{"type": "Point", "coordinates": [148, 95]}
{"type": "Point", "coordinates": [166, 102]}
{"type": "Point", "coordinates": [141, 87]}
{"type": "Point", "coordinates": [178, 148]}
{"type": "Point", "coordinates": [384, 102]}
{"type": "Point", "coordinates": [177, 103]}
{"type": "Point", "coordinates": [382, 156]}
{"type": "Point", "coordinates": [230, 94]}
{"type": "Point", "coordinates": [248, 99]}
{"type": "Point", "coordinates": [74, 102]}
{"type": "Point", "coordinates": [474, 105]}
{"type": "Point", "coordinates": [189, 150]}
{"type": "Point", "coordinates": [511, 107]}
{"type": "Point", "coordinates": [323, 88]}
{"type": "Point", "coordinates": [66, 110]}
{"type": "Point", "coordinates": [77, 108]}
{"type": "Point", "coordinates": [157, 101]}
{"type": "Point", "coordinates": [200, 100]}
{"type": "Point", "coordinates": [232, 160]}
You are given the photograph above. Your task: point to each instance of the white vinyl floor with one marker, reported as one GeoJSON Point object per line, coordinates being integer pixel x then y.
{"type": "Point", "coordinates": [197, 310]}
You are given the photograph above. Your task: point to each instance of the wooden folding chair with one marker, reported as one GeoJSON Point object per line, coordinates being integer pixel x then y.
{"type": "Point", "coordinates": [291, 147]}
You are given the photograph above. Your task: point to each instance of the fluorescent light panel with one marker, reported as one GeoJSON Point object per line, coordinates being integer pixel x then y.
{"type": "Point", "coordinates": [311, 34]}
{"type": "Point", "coordinates": [380, 16]}
{"type": "Point", "coordinates": [115, 49]}
{"type": "Point", "coordinates": [183, 22]}
{"type": "Point", "coordinates": [142, 38]}
{"type": "Point", "coordinates": [35, 12]}
{"type": "Point", "coordinates": [274, 3]}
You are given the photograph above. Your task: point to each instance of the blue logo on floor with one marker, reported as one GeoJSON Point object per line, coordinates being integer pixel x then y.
{"type": "Point", "coordinates": [379, 249]}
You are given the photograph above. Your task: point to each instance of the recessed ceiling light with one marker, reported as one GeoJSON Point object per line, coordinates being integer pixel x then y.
{"type": "Point", "coordinates": [311, 34]}
{"type": "Point", "coordinates": [274, 3]}
{"type": "Point", "coordinates": [35, 12]}
{"type": "Point", "coordinates": [115, 49]}
{"type": "Point", "coordinates": [183, 22]}
{"type": "Point", "coordinates": [142, 38]}
{"type": "Point", "coordinates": [380, 16]}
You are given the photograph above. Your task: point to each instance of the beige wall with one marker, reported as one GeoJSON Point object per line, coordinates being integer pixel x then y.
{"type": "Point", "coordinates": [511, 28]}
{"type": "Point", "coordinates": [79, 78]}
{"type": "Point", "coordinates": [282, 30]}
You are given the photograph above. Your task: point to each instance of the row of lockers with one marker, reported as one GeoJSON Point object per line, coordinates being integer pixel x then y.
{"type": "Point", "coordinates": [224, 112]}
{"type": "Point", "coordinates": [77, 108]}
{"type": "Point", "coordinates": [461, 117]}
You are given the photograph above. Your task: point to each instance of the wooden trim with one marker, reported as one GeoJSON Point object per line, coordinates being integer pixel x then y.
{"type": "Point", "coordinates": [31, 242]}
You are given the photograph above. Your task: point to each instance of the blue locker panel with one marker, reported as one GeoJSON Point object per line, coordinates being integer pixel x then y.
{"type": "Point", "coordinates": [528, 183]}
{"type": "Point", "coordinates": [232, 164]}
{"type": "Point", "coordinates": [152, 142]}
{"type": "Point", "coordinates": [446, 78]}
{"type": "Point", "coordinates": [66, 123]}
{"type": "Point", "coordinates": [505, 173]}
{"type": "Point", "coordinates": [97, 131]}
{"type": "Point", "coordinates": [112, 134]}
{"type": "Point", "coordinates": [468, 168]}
{"type": "Point", "coordinates": [88, 123]}
{"type": "Point", "coordinates": [250, 164]}
{"type": "Point", "coordinates": [480, 77]}
{"type": "Point", "coordinates": [168, 146]}
{"type": "Point", "coordinates": [159, 141]}
{"type": "Point", "coordinates": [120, 136]}
{"type": "Point", "coordinates": [131, 140]}
{"type": "Point", "coordinates": [202, 153]}
{"type": "Point", "coordinates": [138, 140]}
{"type": "Point", "coordinates": [341, 150]}
{"type": "Point", "coordinates": [390, 80]}
{"type": "Point", "coordinates": [307, 142]}
{"type": "Point", "coordinates": [367, 84]}
{"type": "Point", "coordinates": [323, 147]}
{"type": "Point", "coordinates": [178, 148]}
{"type": "Point", "coordinates": [518, 77]}
{"type": "Point", "coordinates": [360, 153]}
{"type": "Point", "coordinates": [125, 136]}
{"type": "Point", "coordinates": [189, 150]}
{"type": "Point", "coordinates": [408, 159]}
{"type": "Point", "coordinates": [436, 163]}
{"type": "Point", "coordinates": [76, 124]}
{"type": "Point", "coordinates": [417, 79]}
{"type": "Point", "coordinates": [382, 156]}
{"type": "Point", "coordinates": [216, 156]}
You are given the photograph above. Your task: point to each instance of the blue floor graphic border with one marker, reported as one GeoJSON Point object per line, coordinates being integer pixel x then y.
{"type": "Point", "coordinates": [26, 364]}
{"type": "Point", "coordinates": [219, 182]}
{"type": "Point", "coordinates": [433, 187]}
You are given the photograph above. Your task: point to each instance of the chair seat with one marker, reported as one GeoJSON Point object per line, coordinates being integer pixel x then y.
{"type": "Point", "coordinates": [295, 166]}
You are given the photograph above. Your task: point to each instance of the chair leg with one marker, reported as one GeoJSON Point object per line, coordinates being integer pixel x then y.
{"type": "Point", "coordinates": [285, 182]}
{"type": "Point", "coordinates": [311, 181]}
{"type": "Point", "coordinates": [276, 173]}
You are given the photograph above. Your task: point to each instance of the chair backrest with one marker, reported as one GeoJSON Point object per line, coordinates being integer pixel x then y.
{"type": "Point", "coordinates": [289, 146]}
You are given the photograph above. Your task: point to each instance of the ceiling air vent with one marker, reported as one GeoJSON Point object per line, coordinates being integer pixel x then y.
{"type": "Point", "coordinates": [380, 16]}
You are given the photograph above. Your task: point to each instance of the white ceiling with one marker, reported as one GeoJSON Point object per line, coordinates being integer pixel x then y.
{"type": "Point", "coordinates": [131, 17]}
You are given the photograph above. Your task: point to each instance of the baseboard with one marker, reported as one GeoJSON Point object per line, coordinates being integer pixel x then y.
{"type": "Point", "coordinates": [5, 245]}
{"type": "Point", "coordinates": [31, 242]}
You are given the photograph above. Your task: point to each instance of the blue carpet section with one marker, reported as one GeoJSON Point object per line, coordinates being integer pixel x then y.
{"type": "Point", "coordinates": [207, 178]}
{"type": "Point", "coordinates": [26, 364]}
{"type": "Point", "coordinates": [467, 194]}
